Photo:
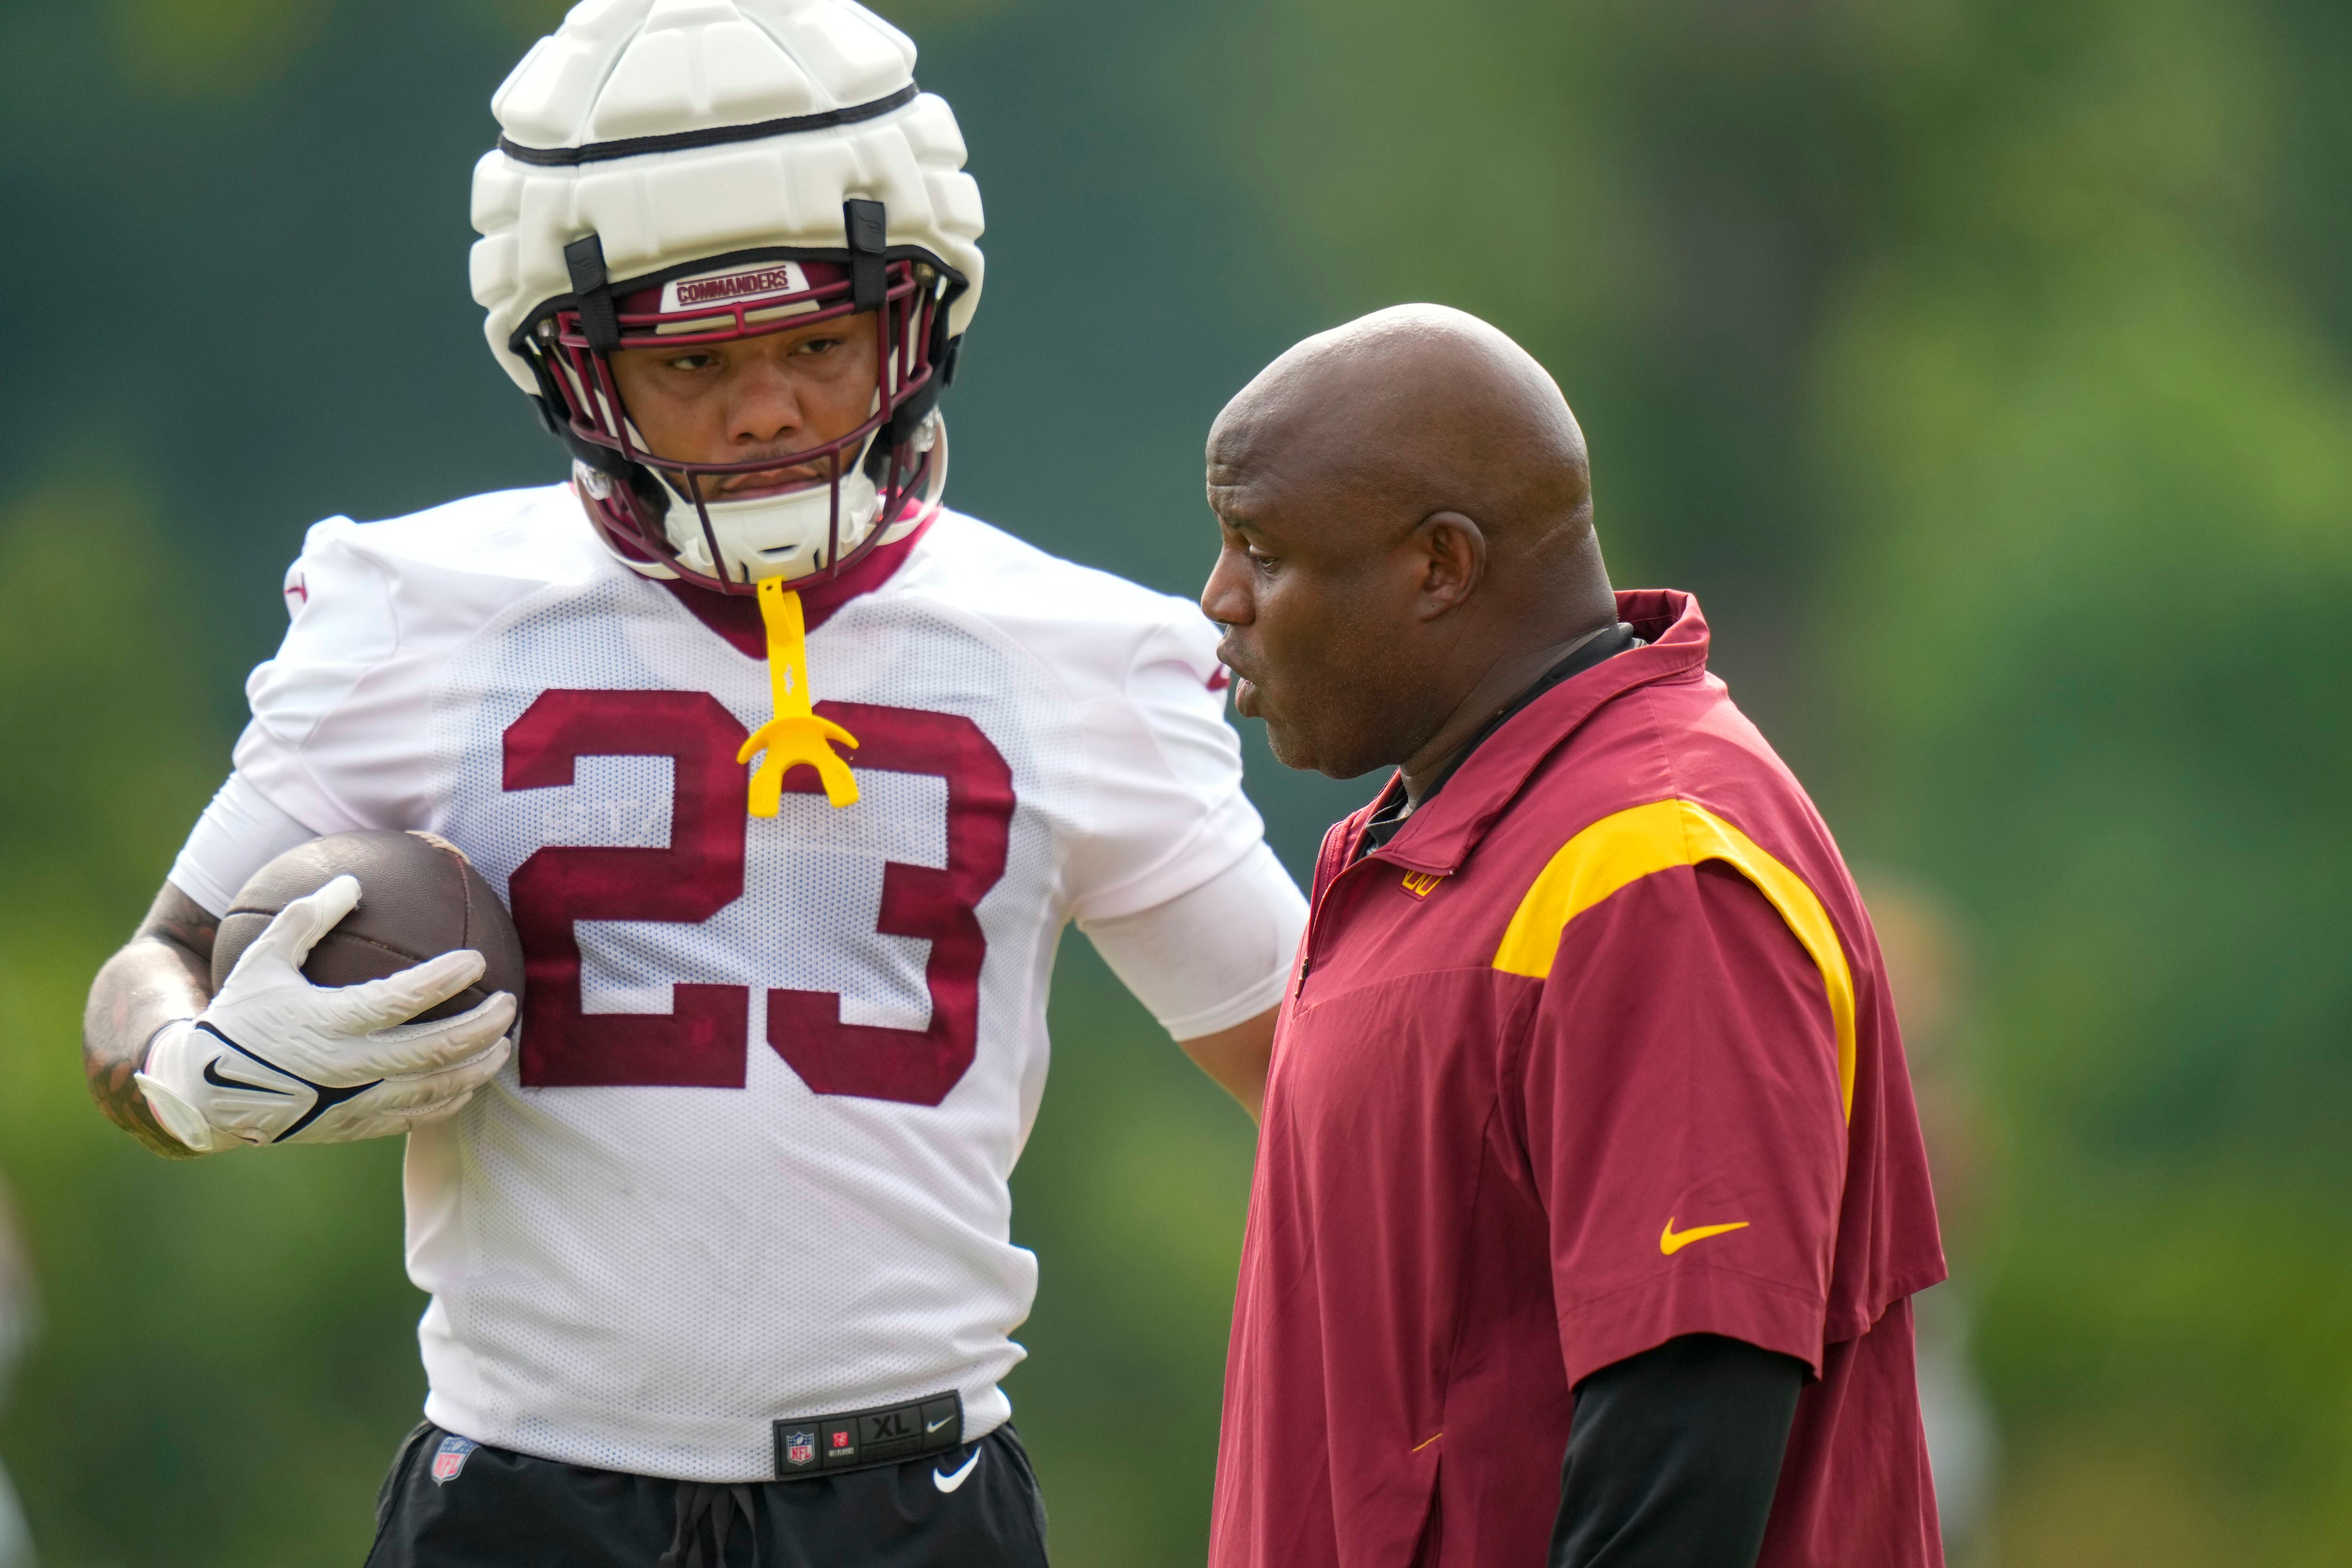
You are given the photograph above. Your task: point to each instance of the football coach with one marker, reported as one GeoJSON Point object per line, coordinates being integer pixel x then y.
{"type": "Point", "coordinates": [1590, 1197]}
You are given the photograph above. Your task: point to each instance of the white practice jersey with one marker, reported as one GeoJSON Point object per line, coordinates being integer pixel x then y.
{"type": "Point", "coordinates": [750, 1162]}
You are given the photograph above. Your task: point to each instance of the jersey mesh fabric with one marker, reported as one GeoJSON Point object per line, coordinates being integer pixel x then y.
{"type": "Point", "coordinates": [641, 1275]}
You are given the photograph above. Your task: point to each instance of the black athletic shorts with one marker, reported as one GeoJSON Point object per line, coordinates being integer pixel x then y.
{"type": "Point", "coordinates": [450, 1504]}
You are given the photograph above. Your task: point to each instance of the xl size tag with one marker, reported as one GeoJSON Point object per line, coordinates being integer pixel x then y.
{"type": "Point", "coordinates": [854, 1440]}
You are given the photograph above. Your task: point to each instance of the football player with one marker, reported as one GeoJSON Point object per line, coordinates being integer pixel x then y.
{"type": "Point", "coordinates": [790, 777]}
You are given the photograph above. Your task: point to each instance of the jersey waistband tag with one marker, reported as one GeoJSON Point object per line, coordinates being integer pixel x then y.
{"type": "Point", "coordinates": [856, 1440]}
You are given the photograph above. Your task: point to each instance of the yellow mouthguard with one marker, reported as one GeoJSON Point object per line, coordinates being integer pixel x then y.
{"type": "Point", "coordinates": [795, 735]}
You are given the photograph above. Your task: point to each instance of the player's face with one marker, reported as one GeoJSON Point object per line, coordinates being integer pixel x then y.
{"type": "Point", "coordinates": [752, 398]}
{"type": "Point", "coordinates": [1318, 627]}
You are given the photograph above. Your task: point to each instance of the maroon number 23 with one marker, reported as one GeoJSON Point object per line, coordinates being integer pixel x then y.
{"type": "Point", "coordinates": [700, 1041]}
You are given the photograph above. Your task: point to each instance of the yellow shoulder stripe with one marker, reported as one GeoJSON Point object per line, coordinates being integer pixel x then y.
{"type": "Point", "coordinates": [1643, 839]}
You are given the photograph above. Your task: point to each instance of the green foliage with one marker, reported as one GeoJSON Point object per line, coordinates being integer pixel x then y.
{"type": "Point", "coordinates": [1981, 363]}
{"type": "Point", "coordinates": [187, 49]}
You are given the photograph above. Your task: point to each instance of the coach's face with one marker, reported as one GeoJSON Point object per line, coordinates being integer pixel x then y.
{"type": "Point", "coordinates": [752, 398]}
{"type": "Point", "coordinates": [1317, 589]}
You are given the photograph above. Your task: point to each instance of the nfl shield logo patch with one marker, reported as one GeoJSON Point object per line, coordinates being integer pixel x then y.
{"type": "Point", "coordinates": [800, 1448]}
{"type": "Point", "coordinates": [451, 1459]}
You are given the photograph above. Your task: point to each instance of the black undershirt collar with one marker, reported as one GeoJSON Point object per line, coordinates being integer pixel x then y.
{"type": "Point", "coordinates": [1596, 649]}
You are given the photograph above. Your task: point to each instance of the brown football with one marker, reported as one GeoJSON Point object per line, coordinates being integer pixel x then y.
{"type": "Point", "coordinates": [419, 898]}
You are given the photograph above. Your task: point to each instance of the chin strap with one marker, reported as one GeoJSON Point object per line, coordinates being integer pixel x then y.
{"type": "Point", "coordinates": [795, 735]}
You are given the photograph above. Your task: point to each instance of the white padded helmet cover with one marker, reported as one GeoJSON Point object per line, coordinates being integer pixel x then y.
{"type": "Point", "coordinates": [619, 70]}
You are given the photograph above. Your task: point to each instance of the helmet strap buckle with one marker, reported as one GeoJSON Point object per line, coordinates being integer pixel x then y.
{"type": "Point", "coordinates": [867, 229]}
{"type": "Point", "coordinates": [592, 288]}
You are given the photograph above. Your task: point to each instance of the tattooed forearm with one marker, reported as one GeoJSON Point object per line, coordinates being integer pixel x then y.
{"type": "Point", "coordinates": [163, 972]}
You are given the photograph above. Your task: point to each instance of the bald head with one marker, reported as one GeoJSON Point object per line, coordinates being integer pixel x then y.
{"type": "Point", "coordinates": [1407, 516]}
{"type": "Point", "coordinates": [1424, 409]}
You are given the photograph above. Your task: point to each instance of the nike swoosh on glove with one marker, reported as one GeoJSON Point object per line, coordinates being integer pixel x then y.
{"type": "Point", "coordinates": [276, 1060]}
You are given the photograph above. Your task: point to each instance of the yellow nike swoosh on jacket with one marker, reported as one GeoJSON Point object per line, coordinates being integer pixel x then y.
{"type": "Point", "coordinates": [1670, 1241]}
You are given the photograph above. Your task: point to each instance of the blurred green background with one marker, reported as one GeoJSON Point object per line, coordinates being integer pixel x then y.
{"type": "Point", "coordinates": [1982, 364]}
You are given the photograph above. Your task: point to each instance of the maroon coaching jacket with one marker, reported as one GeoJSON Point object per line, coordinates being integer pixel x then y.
{"type": "Point", "coordinates": [1596, 1052]}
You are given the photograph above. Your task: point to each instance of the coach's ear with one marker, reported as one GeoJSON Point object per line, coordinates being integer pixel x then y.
{"type": "Point", "coordinates": [1450, 552]}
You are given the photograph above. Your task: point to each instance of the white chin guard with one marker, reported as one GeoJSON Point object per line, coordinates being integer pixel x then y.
{"type": "Point", "coordinates": [782, 535]}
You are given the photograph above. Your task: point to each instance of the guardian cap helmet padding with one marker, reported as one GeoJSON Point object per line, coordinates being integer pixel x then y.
{"type": "Point", "coordinates": [683, 172]}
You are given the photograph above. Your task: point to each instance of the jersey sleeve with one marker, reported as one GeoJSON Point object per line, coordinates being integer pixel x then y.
{"type": "Point", "coordinates": [240, 833]}
{"type": "Point", "coordinates": [1213, 957]}
{"type": "Point", "coordinates": [1683, 1123]}
{"type": "Point", "coordinates": [338, 714]}
{"type": "Point", "coordinates": [1165, 808]}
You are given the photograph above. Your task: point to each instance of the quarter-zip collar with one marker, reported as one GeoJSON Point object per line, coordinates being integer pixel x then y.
{"type": "Point", "coordinates": [1440, 834]}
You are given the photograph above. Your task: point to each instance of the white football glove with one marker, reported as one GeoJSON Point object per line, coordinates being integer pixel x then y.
{"type": "Point", "coordinates": [276, 1060]}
